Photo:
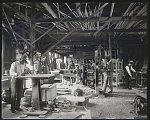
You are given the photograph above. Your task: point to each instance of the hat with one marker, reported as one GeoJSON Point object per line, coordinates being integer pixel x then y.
{"type": "Point", "coordinates": [131, 62]}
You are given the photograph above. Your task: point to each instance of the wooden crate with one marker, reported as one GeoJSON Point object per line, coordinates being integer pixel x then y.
{"type": "Point", "coordinates": [49, 92]}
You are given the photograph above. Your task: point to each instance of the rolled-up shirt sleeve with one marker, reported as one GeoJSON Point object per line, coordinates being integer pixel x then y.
{"type": "Point", "coordinates": [128, 70]}
{"type": "Point", "coordinates": [12, 70]}
{"type": "Point", "coordinates": [133, 69]}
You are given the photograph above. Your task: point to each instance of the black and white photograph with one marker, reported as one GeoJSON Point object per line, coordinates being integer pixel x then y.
{"type": "Point", "coordinates": [74, 60]}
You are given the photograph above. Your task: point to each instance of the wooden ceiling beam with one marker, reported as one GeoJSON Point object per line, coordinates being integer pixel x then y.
{"type": "Point", "coordinates": [129, 24]}
{"type": "Point", "coordinates": [94, 19]}
{"type": "Point", "coordinates": [20, 37]}
{"type": "Point", "coordinates": [63, 38]}
{"type": "Point", "coordinates": [86, 13]}
{"type": "Point", "coordinates": [125, 14]}
{"type": "Point", "coordinates": [93, 31]}
{"type": "Point", "coordinates": [66, 24]}
{"type": "Point", "coordinates": [79, 14]}
{"type": "Point", "coordinates": [62, 19]}
{"type": "Point", "coordinates": [80, 43]}
{"type": "Point", "coordinates": [9, 24]}
{"type": "Point", "coordinates": [41, 31]}
{"type": "Point", "coordinates": [79, 10]}
{"type": "Point", "coordinates": [49, 9]}
{"type": "Point", "coordinates": [112, 9]}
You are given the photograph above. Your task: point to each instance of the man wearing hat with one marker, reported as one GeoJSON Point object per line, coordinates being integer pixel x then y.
{"type": "Point", "coordinates": [129, 73]}
{"type": "Point", "coordinates": [18, 68]}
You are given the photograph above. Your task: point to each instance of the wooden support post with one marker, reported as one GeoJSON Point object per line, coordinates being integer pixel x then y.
{"type": "Point", "coordinates": [3, 50]}
{"type": "Point", "coordinates": [35, 82]}
{"type": "Point", "coordinates": [20, 37]}
{"type": "Point", "coordinates": [35, 95]}
{"type": "Point", "coordinates": [110, 53]}
{"type": "Point", "coordinates": [9, 25]}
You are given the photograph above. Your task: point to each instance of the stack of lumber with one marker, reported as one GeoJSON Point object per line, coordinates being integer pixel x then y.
{"type": "Point", "coordinates": [63, 89]}
{"type": "Point", "coordinates": [70, 89]}
{"type": "Point", "coordinates": [27, 97]}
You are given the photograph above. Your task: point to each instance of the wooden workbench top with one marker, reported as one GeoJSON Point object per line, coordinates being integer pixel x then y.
{"type": "Point", "coordinates": [37, 76]}
{"type": "Point", "coordinates": [68, 75]}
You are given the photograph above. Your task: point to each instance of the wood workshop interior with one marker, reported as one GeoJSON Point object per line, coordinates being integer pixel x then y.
{"type": "Point", "coordinates": [74, 60]}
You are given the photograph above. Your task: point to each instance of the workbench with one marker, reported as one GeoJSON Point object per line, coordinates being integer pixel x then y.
{"type": "Point", "coordinates": [36, 90]}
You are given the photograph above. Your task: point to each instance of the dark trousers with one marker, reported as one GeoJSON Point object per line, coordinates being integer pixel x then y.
{"type": "Point", "coordinates": [97, 77]}
{"type": "Point", "coordinates": [16, 92]}
{"type": "Point", "coordinates": [85, 78]}
{"type": "Point", "coordinates": [127, 81]}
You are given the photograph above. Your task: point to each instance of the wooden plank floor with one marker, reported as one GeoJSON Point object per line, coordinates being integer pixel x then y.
{"type": "Point", "coordinates": [117, 106]}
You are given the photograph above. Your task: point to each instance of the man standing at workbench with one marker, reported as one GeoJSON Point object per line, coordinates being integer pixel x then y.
{"type": "Point", "coordinates": [129, 74]}
{"type": "Point", "coordinates": [18, 68]}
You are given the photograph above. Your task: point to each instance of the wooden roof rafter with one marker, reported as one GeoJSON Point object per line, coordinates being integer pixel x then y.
{"type": "Point", "coordinates": [49, 9]}
{"type": "Point", "coordinates": [55, 25]}
{"type": "Point", "coordinates": [97, 22]}
{"type": "Point", "coordinates": [72, 31]}
{"type": "Point", "coordinates": [9, 24]}
{"type": "Point", "coordinates": [50, 36]}
{"type": "Point", "coordinates": [126, 13]}
{"type": "Point", "coordinates": [75, 14]}
{"type": "Point", "coordinates": [130, 24]}
{"type": "Point", "coordinates": [52, 28]}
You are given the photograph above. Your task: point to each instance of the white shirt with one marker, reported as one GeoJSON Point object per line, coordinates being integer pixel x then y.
{"type": "Point", "coordinates": [17, 68]}
{"type": "Point", "coordinates": [128, 70]}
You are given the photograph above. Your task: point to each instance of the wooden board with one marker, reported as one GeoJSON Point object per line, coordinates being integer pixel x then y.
{"type": "Point", "coordinates": [141, 92]}
{"type": "Point", "coordinates": [37, 76]}
{"type": "Point", "coordinates": [36, 113]}
{"type": "Point", "coordinates": [70, 115]}
{"type": "Point", "coordinates": [74, 98]}
{"type": "Point", "coordinates": [68, 109]}
{"type": "Point", "coordinates": [68, 75]}
{"type": "Point", "coordinates": [23, 116]}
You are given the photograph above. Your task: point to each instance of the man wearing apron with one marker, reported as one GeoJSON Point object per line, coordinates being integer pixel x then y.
{"type": "Point", "coordinates": [18, 68]}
